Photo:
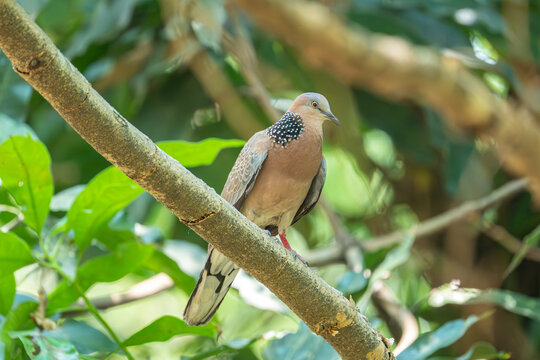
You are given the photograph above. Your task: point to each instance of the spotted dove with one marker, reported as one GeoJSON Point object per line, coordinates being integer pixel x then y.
{"type": "Point", "coordinates": [276, 179]}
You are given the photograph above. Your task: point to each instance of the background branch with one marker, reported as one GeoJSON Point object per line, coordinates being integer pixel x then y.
{"type": "Point", "coordinates": [337, 252]}
{"type": "Point", "coordinates": [36, 59]}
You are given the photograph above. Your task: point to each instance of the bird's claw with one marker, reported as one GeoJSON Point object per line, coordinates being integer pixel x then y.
{"type": "Point", "coordinates": [298, 256]}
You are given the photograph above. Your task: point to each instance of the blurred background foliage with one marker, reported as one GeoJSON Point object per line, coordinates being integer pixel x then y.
{"type": "Point", "coordinates": [185, 71]}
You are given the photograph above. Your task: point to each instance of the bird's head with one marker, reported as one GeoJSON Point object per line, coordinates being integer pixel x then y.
{"type": "Point", "coordinates": [313, 107]}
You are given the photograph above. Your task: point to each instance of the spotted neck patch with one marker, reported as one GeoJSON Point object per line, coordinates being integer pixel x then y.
{"type": "Point", "coordinates": [287, 129]}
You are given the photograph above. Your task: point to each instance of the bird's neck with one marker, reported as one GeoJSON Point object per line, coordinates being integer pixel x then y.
{"type": "Point", "coordinates": [288, 129]}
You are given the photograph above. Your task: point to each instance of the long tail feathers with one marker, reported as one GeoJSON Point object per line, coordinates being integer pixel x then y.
{"type": "Point", "coordinates": [214, 283]}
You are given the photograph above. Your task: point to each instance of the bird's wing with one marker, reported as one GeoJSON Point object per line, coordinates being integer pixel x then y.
{"type": "Point", "coordinates": [313, 194]}
{"type": "Point", "coordinates": [219, 272]}
{"type": "Point", "coordinates": [245, 170]}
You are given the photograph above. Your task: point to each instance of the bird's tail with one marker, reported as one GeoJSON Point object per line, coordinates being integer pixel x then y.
{"type": "Point", "coordinates": [214, 283]}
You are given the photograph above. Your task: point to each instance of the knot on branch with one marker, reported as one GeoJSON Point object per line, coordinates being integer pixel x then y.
{"type": "Point", "coordinates": [332, 327]}
{"type": "Point", "coordinates": [200, 219]}
{"type": "Point", "coordinates": [35, 64]}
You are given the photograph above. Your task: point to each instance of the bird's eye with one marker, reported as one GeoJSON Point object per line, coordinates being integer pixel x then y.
{"type": "Point", "coordinates": [314, 104]}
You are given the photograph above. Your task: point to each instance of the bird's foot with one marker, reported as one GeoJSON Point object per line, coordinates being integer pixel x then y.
{"type": "Point", "coordinates": [288, 247]}
{"type": "Point", "coordinates": [298, 256]}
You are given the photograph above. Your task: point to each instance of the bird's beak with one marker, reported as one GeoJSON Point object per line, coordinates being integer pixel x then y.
{"type": "Point", "coordinates": [331, 117]}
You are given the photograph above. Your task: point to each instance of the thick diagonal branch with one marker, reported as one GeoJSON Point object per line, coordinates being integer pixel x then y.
{"type": "Point", "coordinates": [394, 68]}
{"type": "Point", "coordinates": [321, 307]}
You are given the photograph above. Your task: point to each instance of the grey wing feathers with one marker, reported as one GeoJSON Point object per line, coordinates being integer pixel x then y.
{"type": "Point", "coordinates": [219, 272]}
{"type": "Point", "coordinates": [313, 194]}
{"type": "Point", "coordinates": [244, 172]}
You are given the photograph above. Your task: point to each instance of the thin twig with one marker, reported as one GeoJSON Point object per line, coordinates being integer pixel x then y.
{"type": "Point", "coordinates": [19, 217]}
{"type": "Point", "coordinates": [442, 221]}
{"type": "Point", "coordinates": [401, 322]}
{"type": "Point", "coordinates": [509, 242]}
{"type": "Point", "coordinates": [336, 253]}
{"type": "Point", "coordinates": [146, 288]}
{"type": "Point", "coordinates": [239, 45]}
{"type": "Point", "coordinates": [352, 254]}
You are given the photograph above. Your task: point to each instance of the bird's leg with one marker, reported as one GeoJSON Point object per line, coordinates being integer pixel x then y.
{"type": "Point", "coordinates": [288, 247]}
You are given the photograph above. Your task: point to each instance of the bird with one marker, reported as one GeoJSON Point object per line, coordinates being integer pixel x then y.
{"type": "Point", "coordinates": [276, 179]}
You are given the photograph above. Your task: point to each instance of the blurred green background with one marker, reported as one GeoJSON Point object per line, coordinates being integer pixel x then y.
{"type": "Point", "coordinates": [193, 70]}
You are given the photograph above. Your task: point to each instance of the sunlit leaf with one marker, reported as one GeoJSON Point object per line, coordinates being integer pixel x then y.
{"type": "Point", "coordinates": [25, 173]}
{"type": "Point", "coordinates": [301, 345]}
{"type": "Point", "coordinates": [444, 336]}
{"type": "Point", "coordinates": [107, 193]}
{"type": "Point", "coordinates": [509, 300]}
{"type": "Point", "coordinates": [191, 154]}
{"type": "Point", "coordinates": [14, 254]}
{"type": "Point", "coordinates": [165, 328]}
{"type": "Point", "coordinates": [7, 293]}
{"type": "Point", "coordinates": [127, 258]}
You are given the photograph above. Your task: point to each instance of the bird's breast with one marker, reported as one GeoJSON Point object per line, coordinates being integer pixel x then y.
{"type": "Point", "coordinates": [285, 178]}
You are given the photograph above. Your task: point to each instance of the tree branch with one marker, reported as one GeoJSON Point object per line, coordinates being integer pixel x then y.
{"type": "Point", "coordinates": [337, 252]}
{"type": "Point", "coordinates": [394, 68]}
{"type": "Point", "coordinates": [509, 242]}
{"type": "Point", "coordinates": [321, 307]}
{"type": "Point", "coordinates": [141, 290]}
{"type": "Point", "coordinates": [401, 322]}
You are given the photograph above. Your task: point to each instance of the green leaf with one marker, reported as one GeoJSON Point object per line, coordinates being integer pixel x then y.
{"type": "Point", "coordinates": [165, 328]}
{"type": "Point", "coordinates": [444, 336]}
{"type": "Point", "coordinates": [529, 242]}
{"type": "Point", "coordinates": [25, 173]}
{"type": "Point", "coordinates": [191, 154]}
{"type": "Point", "coordinates": [14, 254]}
{"type": "Point", "coordinates": [303, 344]}
{"type": "Point", "coordinates": [17, 319]}
{"type": "Point", "coordinates": [40, 347]}
{"type": "Point", "coordinates": [480, 350]}
{"type": "Point", "coordinates": [107, 20]}
{"type": "Point", "coordinates": [84, 337]}
{"type": "Point", "coordinates": [514, 302]}
{"type": "Point", "coordinates": [127, 258]}
{"type": "Point", "coordinates": [239, 320]}
{"type": "Point", "coordinates": [159, 262]}
{"type": "Point", "coordinates": [105, 195]}
{"type": "Point", "coordinates": [7, 293]}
